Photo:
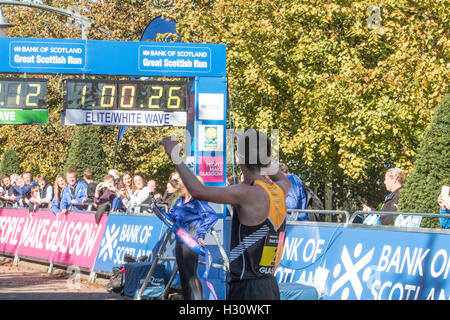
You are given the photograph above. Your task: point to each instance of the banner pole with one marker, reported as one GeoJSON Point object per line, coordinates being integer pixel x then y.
{"type": "Point", "coordinates": [115, 149]}
{"type": "Point", "coordinates": [50, 267]}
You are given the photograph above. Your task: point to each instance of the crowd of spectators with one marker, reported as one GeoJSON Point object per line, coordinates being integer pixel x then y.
{"type": "Point", "coordinates": [126, 192]}
{"type": "Point", "coordinates": [131, 193]}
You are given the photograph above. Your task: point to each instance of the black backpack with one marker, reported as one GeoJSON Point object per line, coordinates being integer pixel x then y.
{"type": "Point", "coordinates": [117, 280]}
{"type": "Point", "coordinates": [313, 202]}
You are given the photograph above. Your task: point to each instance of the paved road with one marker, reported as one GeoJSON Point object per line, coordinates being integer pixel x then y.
{"type": "Point", "coordinates": [25, 283]}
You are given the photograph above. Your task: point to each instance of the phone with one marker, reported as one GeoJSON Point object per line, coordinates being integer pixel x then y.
{"type": "Point", "coordinates": [445, 192]}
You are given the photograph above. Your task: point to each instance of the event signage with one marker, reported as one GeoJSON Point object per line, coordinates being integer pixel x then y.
{"type": "Point", "coordinates": [73, 239]}
{"type": "Point", "coordinates": [367, 264]}
{"type": "Point", "coordinates": [123, 118]}
{"type": "Point", "coordinates": [47, 54]}
{"type": "Point", "coordinates": [23, 93]}
{"type": "Point", "coordinates": [12, 116]}
{"type": "Point", "coordinates": [124, 94]}
{"type": "Point", "coordinates": [118, 58]}
{"type": "Point", "coordinates": [124, 102]}
{"type": "Point", "coordinates": [210, 168]}
{"type": "Point", "coordinates": [23, 101]}
{"type": "Point", "coordinates": [177, 58]}
{"type": "Point", "coordinates": [133, 235]}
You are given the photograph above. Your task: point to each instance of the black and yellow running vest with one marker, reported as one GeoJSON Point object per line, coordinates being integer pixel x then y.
{"type": "Point", "coordinates": [255, 251]}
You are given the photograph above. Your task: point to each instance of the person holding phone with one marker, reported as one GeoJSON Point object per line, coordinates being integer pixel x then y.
{"type": "Point", "coordinates": [444, 203]}
{"type": "Point", "coordinates": [394, 180]}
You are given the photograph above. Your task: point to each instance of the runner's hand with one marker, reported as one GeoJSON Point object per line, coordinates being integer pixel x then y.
{"type": "Point", "coordinates": [172, 149]}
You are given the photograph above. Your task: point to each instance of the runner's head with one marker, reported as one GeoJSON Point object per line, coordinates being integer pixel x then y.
{"type": "Point", "coordinates": [254, 150]}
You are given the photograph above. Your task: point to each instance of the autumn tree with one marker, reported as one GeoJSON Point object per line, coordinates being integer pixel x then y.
{"type": "Point", "coordinates": [431, 167]}
{"type": "Point", "coordinates": [350, 86]}
{"type": "Point", "coordinates": [86, 152]}
{"type": "Point", "coordinates": [9, 163]}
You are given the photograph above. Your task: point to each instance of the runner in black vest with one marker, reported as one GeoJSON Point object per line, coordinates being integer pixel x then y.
{"type": "Point", "coordinates": [257, 234]}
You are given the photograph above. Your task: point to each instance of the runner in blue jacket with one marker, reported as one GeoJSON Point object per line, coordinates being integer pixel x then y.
{"type": "Point", "coordinates": [196, 217]}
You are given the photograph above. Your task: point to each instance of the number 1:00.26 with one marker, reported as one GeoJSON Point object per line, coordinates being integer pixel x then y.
{"type": "Point", "coordinates": [158, 95]}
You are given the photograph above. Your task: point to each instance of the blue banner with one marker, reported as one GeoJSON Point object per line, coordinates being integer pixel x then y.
{"type": "Point", "coordinates": [47, 54]}
{"type": "Point", "coordinates": [124, 234]}
{"type": "Point", "coordinates": [129, 58]}
{"type": "Point", "coordinates": [367, 264]}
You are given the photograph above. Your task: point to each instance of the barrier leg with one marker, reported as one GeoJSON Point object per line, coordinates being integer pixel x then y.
{"type": "Point", "coordinates": [172, 277]}
{"type": "Point", "coordinates": [152, 268]}
{"type": "Point", "coordinates": [92, 277]}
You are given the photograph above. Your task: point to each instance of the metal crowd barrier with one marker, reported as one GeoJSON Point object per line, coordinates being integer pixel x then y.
{"type": "Point", "coordinates": [159, 257]}
{"type": "Point", "coordinates": [294, 213]}
{"type": "Point", "coordinates": [387, 213]}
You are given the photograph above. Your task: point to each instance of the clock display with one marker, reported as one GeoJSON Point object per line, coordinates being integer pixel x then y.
{"type": "Point", "coordinates": [142, 95]}
{"type": "Point", "coordinates": [22, 93]}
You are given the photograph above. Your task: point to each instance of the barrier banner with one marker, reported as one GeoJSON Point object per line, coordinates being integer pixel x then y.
{"type": "Point", "coordinates": [127, 234]}
{"type": "Point", "coordinates": [367, 264]}
{"type": "Point", "coordinates": [73, 239]}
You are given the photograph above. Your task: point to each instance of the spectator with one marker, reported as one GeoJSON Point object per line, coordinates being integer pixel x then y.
{"type": "Point", "coordinates": [153, 190]}
{"type": "Point", "coordinates": [75, 193]}
{"type": "Point", "coordinates": [141, 194]}
{"type": "Point", "coordinates": [88, 176]}
{"type": "Point", "coordinates": [444, 205]}
{"type": "Point", "coordinates": [107, 196]}
{"type": "Point", "coordinates": [7, 193]}
{"type": "Point", "coordinates": [106, 191]}
{"type": "Point", "coordinates": [296, 197]}
{"type": "Point", "coordinates": [152, 186]}
{"type": "Point", "coordinates": [29, 183]}
{"type": "Point", "coordinates": [171, 194]}
{"type": "Point", "coordinates": [33, 203]}
{"type": "Point", "coordinates": [196, 217]}
{"type": "Point", "coordinates": [18, 191]}
{"type": "Point", "coordinates": [14, 178]}
{"type": "Point", "coordinates": [115, 173]}
{"type": "Point", "coordinates": [394, 180]}
{"type": "Point", "coordinates": [45, 195]}
{"type": "Point", "coordinates": [126, 185]}
{"type": "Point", "coordinates": [58, 187]}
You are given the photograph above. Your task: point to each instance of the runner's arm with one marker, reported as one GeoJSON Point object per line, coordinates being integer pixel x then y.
{"type": "Point", "coordinates": [233, 195]}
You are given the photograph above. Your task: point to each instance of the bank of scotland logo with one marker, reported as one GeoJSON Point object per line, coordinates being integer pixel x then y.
{"type": "Point", "coordinates": [351, 274]}
{"type": "Point", "coordinates": [109, 242]}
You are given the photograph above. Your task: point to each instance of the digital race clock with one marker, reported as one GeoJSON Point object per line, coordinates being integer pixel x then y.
{"type": "Point", "coordinates": [150, 95]}
{"type": "Point", "coordinates": [23, 93]}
